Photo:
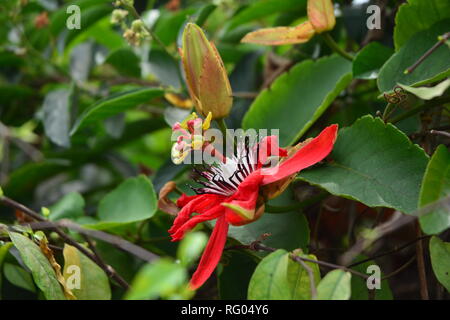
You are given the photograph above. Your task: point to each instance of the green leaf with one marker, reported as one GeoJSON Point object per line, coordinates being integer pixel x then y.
{"type": "Point", "coordinates": [234, 274]}
{"type": "Point", "coordinates": [440, 260]}
{"type": "Point", "coordinates": [299, 97]}
{"type": "Point", "coordinates": [260, 9]}
{"type": "Point", "coordinates": [336, 285]}
{"type": "Point", "coordinates": [418, 15]}
{"type": "Point", "coordinates": [191, 247]}
{"type": "Point", "coordinates": [133, 200]}
{"type": "Point", "coordinates": [432, 69]}
{"type": "Point", "coordinates": [269, 281]}
{"type": "Point", "coordinates": [19, 277]}
{"type": "Point", "coordinates": [115, 104]}
{"type": "Point", "coordinates": [86, 279]}
{"type": "Point", "coordinates": [374, 163]}
{"type": "Point", "coordinates": [56, 116]}
{"type": "Point", "coordinates": [43, 274]}
{"type": "Point", "coordinates": [428, 93]}
{"type": "Point", "coordinates": [125, 62]}
{"type": "Point", "coordinates": [288, 230]}
{"type": "Point", "coordinates": [359, 285]}
{"type": "Point", "coordinates": [435, 186]}
{"type": "Point", "coordinates": [298, 278]}
{"type": "Point", "coordinates": [4, 248]}
{"type": "Point", "coordinates": [369, 60]}
{"type": "Point", "coordinates": [159, 279]}
{"type": "Point", "coordinates": [70, 206]}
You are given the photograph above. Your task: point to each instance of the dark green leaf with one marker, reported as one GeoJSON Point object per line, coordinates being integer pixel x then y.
{"type": "Point", "coordinates": [115, 104]}
{"type": "Point", "coordinates": [19, 277]}
{"type": "Point", "coordinates": [125, 62]}
{"type": "Point", "coordinates": [369, 60]}
{"type": "Point", "coordinates": [373, 163]}
{"type": "Point", "coordinates": [43, 274]}
{"type": "Point", "coordinates": [299, 97]}
{"type": "Point", "coordinates": [433, 68]}
{"type": "Point", "coordinates": [418, 15]}
{"type": "Point", "coordinates": [260, 9]}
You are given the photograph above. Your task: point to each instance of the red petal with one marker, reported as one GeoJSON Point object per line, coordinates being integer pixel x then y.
{"type": "Point", "coordinates": [268, 146]}
{"type": "Point", "coordinates": [211, 255]}
{"type": "Point", "coordinates": [213, 213]}
{"type": "Point", "coordinates": [197, 203]}
{"type": "Point", "coordinates": [244, 197]}
{"type": "Point", "coordinates": [316, 150]}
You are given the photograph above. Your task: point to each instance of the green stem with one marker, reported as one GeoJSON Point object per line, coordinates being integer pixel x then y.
{"type": "Point", "coordinates": [334, 46]}
{"type": "Point", "coordinates": [296, 206]}
{"type": "Point", "coordinates": [419, 108]}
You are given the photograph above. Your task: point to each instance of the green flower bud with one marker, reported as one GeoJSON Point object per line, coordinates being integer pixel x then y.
{"type": "Point", "coordinates": [206, 76]}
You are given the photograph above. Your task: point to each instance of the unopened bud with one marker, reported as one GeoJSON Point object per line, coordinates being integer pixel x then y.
{"type": "Point", "coordinates": [206, 76]}
{"type": "Point", "coordinates": [321, 15]}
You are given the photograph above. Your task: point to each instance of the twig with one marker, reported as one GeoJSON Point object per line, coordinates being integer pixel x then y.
{"type": "Point", "coordinates": [403, 267]}
{"type": "Point", "coordinates": [104, 265]}
{"type": "Point", "coordinates": [66, 238]}
{"type": "Point", "coordinates": [421, 266]}
{"type": "Point", "coordinates": [440, 133]}
{"type": "Point", "coordinates": [441, 41]}
{"type": "Point", "coordinates": [256, 246]}
{"type": "Point", "coordinates": [312, 283]}
{"type": "Point", "coordinates": [389, 252]}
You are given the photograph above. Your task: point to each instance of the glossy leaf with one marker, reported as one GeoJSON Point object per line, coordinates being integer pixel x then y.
{"type": "Point", "coordinates": [369, 60]}
{"type": "Point", "coordinates": [373, 163]}
{"type": "Point", "coordinates": [440, 260]}
{"type": "Point", "coordinates": [70, 206]}
{"type": "Point", "coordinates": [115, 104]}
{"type": "Point", "coordinates": [269, 281]}
{"type": "Point", "coordinates": [335, 286]}
{"type": "Point", "coordinates": [93, 283]}
{"type": "Point", "coordinates": [43, 274]}
{"type": "Point", "coordinates": [299, 97]}
{"type": "Point", "coordinates": [418, 15]}
{"type": "Point", "coordinates": [433, 68]}
{"type": "Point", "coordinates": [133, 200]}
{"type": "Point", "coordinates": [125, 62]}
{"type": "Point", "coordinates": [435, 186]}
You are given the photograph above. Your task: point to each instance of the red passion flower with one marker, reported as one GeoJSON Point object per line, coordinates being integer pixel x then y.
{"type": "Point", "coordinates": [231, 192]}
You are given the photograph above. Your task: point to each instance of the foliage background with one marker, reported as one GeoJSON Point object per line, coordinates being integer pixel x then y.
{"type": "Point", "coordinates": [85, 132]}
